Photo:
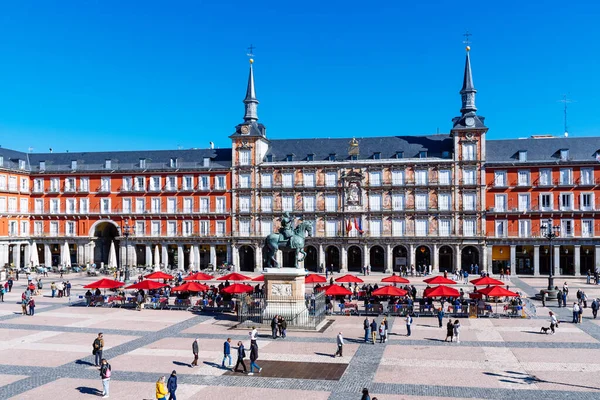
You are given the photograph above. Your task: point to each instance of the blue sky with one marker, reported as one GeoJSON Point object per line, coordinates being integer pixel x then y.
{"type": "Point", "coordinates": [119, 75]}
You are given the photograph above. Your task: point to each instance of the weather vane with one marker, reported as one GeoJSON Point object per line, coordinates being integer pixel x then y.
{"type": "Point", "coordinates": [250, 51]}
{"type": "Point", "coordinates": [467, 41]}
{"type": "Point", "coordinates": [565, 100]}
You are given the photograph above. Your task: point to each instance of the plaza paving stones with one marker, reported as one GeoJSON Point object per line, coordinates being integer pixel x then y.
{"type": "Point", "coordinates": [49, 355]}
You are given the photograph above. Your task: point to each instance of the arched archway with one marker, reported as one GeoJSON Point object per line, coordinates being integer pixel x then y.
{"type": "Point", "coordinates": [377, 259]}
{"type": "Point", "coordinates": [332, 258]}
{"type": "Point", "coordinates": [469, 255]}
{"type": "Point", "coordinates": [400, 257]}
{"type": "Point", "coordinates": [311, 261]}
{"type": "Point", "coordinates": [446, 258]}
{"type": "Point", "coordinates": [105, 233]}
{"type": "Point", "coordinates": [246, 254]}
{"type": "Point", "coordinates": [288, 258]}
{"type": "Point", "coordinates": [355, 259]}
{"type": "Point", "coordinates": [422, 256]}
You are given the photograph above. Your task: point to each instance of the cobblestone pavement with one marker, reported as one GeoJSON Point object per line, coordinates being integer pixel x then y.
{"type": "Point", "coordinates": [49, 355]}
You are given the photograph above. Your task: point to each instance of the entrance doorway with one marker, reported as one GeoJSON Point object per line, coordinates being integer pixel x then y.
{"type": "Point", "coordinates": [311, 261]}
{"type": "Point", "coordinates": [423, 256]}
{"type": "Point", "coordinates": [469, 255]}
{"type": "Point", "coordinates": [246, 254]}
{"type": "Point", "coordinates": [105, 233]}
{"type": "Point", "coordinates": [355, 259]}
{"type": "Point", "coordinates": [332, 258]}
{"type": "Point", "coordinates": [377, 259]}
{"type": "Point", "coordinates": [400, 258]}
{"type": "Point", "coordinates": [446, 259]}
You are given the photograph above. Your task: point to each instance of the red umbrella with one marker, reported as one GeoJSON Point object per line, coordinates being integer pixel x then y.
{"type": "Point", "coordinates": [441, 291]}
{"type": "Point", "coordinates": [389, 291]}
{"type": "Point", "coordinates": [147, 285]}
{"type": "Point", "coordinates": [238, 288]}
{"type": "Point", "coordinates": [487, 281]}
{"type": "Point", "coordinates": [260, 278]}
{"type": "Point", "coordinates": [199, 276]}
{"type": "Point", "coordinates": [439, 280]}
{"type": "Point", "coordinates": [234, 276]}
{"type": "Point", "coordinates": [190, 287]}
{"type": "Point", "coordinates": [314, 278]}
{"type": "Point", "coordinates": [497, 291]}
{"type": "Point", "coordinates": [104, 283]}
{"type": "Point", "coordinates": [349, 278]}
{"type": "Point", "coordinates": [395, 279]}
{"type": "Point", "coordinates": [337, 290]}
{"type": "Point", "coordinates": [158, 275]}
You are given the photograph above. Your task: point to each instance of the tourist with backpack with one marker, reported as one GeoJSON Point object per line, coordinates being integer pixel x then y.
{"type": "Point", "coordinates": [97, 348]}
{"type": "Point", "coordinates": [172, 385]}
{"type": "Point", "coordinates": [105, 373]}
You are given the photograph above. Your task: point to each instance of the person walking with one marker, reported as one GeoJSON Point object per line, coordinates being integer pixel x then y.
{"type": "Point", "coordinates": [52, 289]}
{"type": "Point", "coordinates": [274, 326]}
{"type": "Point", "coordinates": [283, 327]}
{"type": "Point", "coordinates": [387, 329]}
{"type": "Point", "coordinates": [195, 350]}
{"type": "Point", "coordinates": [24, 302]}
{"type": "Point", "coordinates": [97, 348]}
{"type": "Point", "coordinates": [575, 313]}
{"type": "Point", "coordinates": [595, 308]}
{"type": "Point", "coordinates": [553, 322]}
{"type": "Point", "coordinates": [340, 345]}
{"type": "Point", "coordinates": [31, 306]}
{"type": "Point", "coordinates": [253, 358]}
{"type": "Point", "coordinates": [544, 296]}
{"type": "Point", "coordinates": [172, 385]}
{"type": "Point", "coordinates": [10, 284]}
{"type": "Point", "coordinates": [559, 297]}
{"type": "Point", "coordinates": [105, 374]}
{"type": "Point", "coordinates": [365, 394]}
{"type": "Point", "coordinates": [382, 332]}
{"type": "Point", "coordinates": [457, 331]}
{"type": "Point", "coordinates": [440, 316]}
{"type": "Point", "coordinates": [409, 321]}
{"type": "Point", "coordinates": [241, 354]}
{"type": "Point", "coordinates": [161, 390]}
{"type": "Point", "coordinates": [373, 331]}
{"type": "Point", "coordinates": [2, 291]}
{"type": "Point", "coordinates": [227, 353]}
{"type": "Point", "coordinates": [367, 328]}
{"type": "Point", "coordinates": [449, 330]}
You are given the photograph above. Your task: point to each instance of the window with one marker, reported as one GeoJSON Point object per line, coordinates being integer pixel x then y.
{"type": "Point", "coordinates": [287, 203]}
{"type": "Point", "coordinates": [524, 228]}
{"type": "Point", "coordinates": [330, 228]}
{"type": "Point", "coordinates": [12, 205]}
{"type": "Point", "coordinates": [397, 177]}
{"type": "Point", "coordinates": [566, 228]}
{"type": "Point", "coordinates": [171, 228]}
{"type": "Point", "coordinates": [70, 185]}
{"type": "Point", "coordinates": [546, 203]}
{"type": "Point", "coordinates": [244, 202]}
{"type": "Point", "coordinates": [54, 185]}
{"type": "Point", "coordinates": [444, 227]}
{"type": "Point", "coordinates": [84, 184]}
{"type": "Point", "coordinates": [423, 154]}
{"type": "Point", "coordinates": [444, 177]}
{"type": "Point", "coordinates": [188, 205]}
{"type": "Point", "coordinates": [70, 228]}
{"type": "Point", "coordinates": [71, 206]}
{"type": "Point", "coordinates": [289, 158]}
{"type": "Point", "coordinates": [155, 205]}
{"type": "Point", "coordinates": [331, 179]}
{"type": "Point", "coordinates": [140, 205]}
{"type": "Point", "coordinates": [524, 203]}
{"type": "Point", "coordinates": [377, 155]}
{"type": "Point", "coordinates": [204, 228]}
{"type": "Point", "coordinates": [3, 182]}
{"type": "Point", "coordinates": [25, 184]}
{"type": "Point", "coordinates": [155, 184]}
{"type": "Point", "coordinates": [501, 228]}
{"type": "Point", "coordinates": [398, 201]}
{"type": "Point", "coordinates": [309, 179]}
{"type": "Point", "coordinates": [220, 228]}
{"type": "Point", "coordinates": [220, 205]}
{"type": "Point", "coordinates": [469, 152]}
{"type": "Point", "coordinates": [287, 179]}
{"type": "Point", "coordinates": [142, 163]}
{"type": "Point", "coordinates": [140, 184]}
{"type": "Point", "coordinates": [421, 201]}
{"type": "Point", "coordinates": [244, 227]}
{"type": "Point", "coordinates": [566, 176]}
{"type": "Point", "coordinates": [84, 206]}
{"type": "Point", "coordinates": [155, 228]}
{"type": "Point", "coordinates": [38, 206]}
{"type": "Point", "coordinates": [203, 182]}
{"type": "Point", "coordinates": [140, 228]}
{"type": "Point", "coordinates": [398, 226]}
{"type": "Point", "coordinates": [187, 182]}
{"type": "Point", "coordinates": [266, 227]}
{"type": "Point", "coordinates": [523, 178]}
{"type": "Point", "coordinates": [173, 162]}
{"type": "Point", "coordinates": [500, 178]}
{"type": "Point", "coordinates": [587, 228]}
{"type": "Point", "coordinates": [564, 154]}
{"type": "Point", "coordinates": [171, 205]}
{"type": "Point", "coordinates": [309, 203]}
{"type": "Point", "coordinates": [444, 201]}
{"type": "Point", "coordinates": [375, 178]}
{"type": "Point", "coordinates": [266, 204]}
{"type": "Point", "coordinates": [266, 180]}
{"type": "Point", "coordinates": [22, 164]}
{"type": "Point", "coordinates": [220, 182]}
{"type": "Point", "coordinates": [12, 183]}
{"type": "Point", "coordinates": [375, 227]}
{"type": "Point", "coordinates": [469, 176]}
{"type": "Point", "coordinates": [545, 177]}
{"type": "Point", "coordinates": [244, 157]}
{"type": "Point", "coordinates": [469, 201]}
{"type": "Point", "coordinates": [330, 202]}
{"type": "Point", "coordinates": [500, 204]}
{"type": "Point", "coordinates": [42, 166]}
{"type": "Point", "coordinates": [375, 202]}
{"type": "Point", "coordinates": [187, 228]}
{"type": "Point", "coordinates": [566, 201]}
{"type": "Point", "coordinates": [587, 176]}
{"type": "Point", "coordinates": [310, 157]}
{"type": "Point", "coordinates": [38, 228]}
{"type": "Point", "coordinates": [54, 206]}
{"type": "Point", "coordinates": [105, 184]}
{"type": "Point", "coordinates": [587, 202]}
{"type": "Point", "coordinates": [24, 206]}
{"type": "Point", "coordinates": [2, 204]}
{"type": "Point", "coordinates": [54, 228]}
{"type": "Point", "coordinates": [107, 164]}
{"type": "Point", "coordinates": [421, 177]}
{"type": "Point", "coordinates": [206, 162]}
{"type": "Point", "coordinates": [38, 185]}
{"type": "Point", "coordinates": [105, 206]}
{"type": "Point", "coordinates": [331, 157]}
{"type": "Point", "coordinates": [245, 181]}
{"type": "Point", "coordinates": [469, 227]}
{"type": "Point", "coordinates": [523, 155]}
{"type": "Point", "coordinates": [127, 184]}
{"type": "Point", "coordinates": [171, 183]}
{"type": "Point", "coordinates": [421, 227]}
{"type": "Point", "coordinates": [204, 205]}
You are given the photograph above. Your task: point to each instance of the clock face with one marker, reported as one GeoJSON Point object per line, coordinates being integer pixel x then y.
{"type": "Point", "coordinates": [245, 129]}
{"type": "Point", "coordinates": [470, 121]}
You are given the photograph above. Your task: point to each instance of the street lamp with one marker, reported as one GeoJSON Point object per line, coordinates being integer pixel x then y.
{"type": "Point", "coordinates": [550, 232]}
{"type": "Point", "coordinates": [127, 231]}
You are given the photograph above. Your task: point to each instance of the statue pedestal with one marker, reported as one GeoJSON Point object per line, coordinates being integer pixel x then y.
{"type": "Point", "coordinates": [284, 291]}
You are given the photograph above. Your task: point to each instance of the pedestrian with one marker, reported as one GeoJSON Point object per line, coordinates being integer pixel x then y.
{"type": "Point", "coordinates": [253, 358]}
{"type": "Point", "coordinates": [253, 335]}
{"type": "Point", "coordinates": [340, 345]}
{"type": "Point", "coordinates": [283, 327]}
{"type": "Point", "coordinates": [575, 313]}
{"type": "Point", "coordinates": [584, 298]}
{"type": "Point", "coordinates": [409, 321]}
{"type": "Point", "coordinates": [161, 390]}
{"type": "Point", "coordinates": [195, 349]}
{"type": "Point", "coordinates": [2, 290]}
{"type": "Point", "coordinates": [544, 296]}
{"type": "Point", "coordinates": [24, 302]}
{"type": "Point", "coordinates": [588, 277]}
{"type": "Point", "coordinates": [274, 326]}
{"type": "Point", "coordinates": [381, 332]}
{"type": "Point", "coordinates": [52, 289]}
{"type": "Point", "coordinates": [564, 298]}
{"type": "Point", "coordinates": [227, 353]}
{"type": "Point", "coordinates": [31, 306]}
{"type": "Point", "coordinates": [387, 328]}
{"type": "Point", "coordinates": [373, 331]}
{"type": "Point", "coordinates": [449, 330]}
{"type": "Point", "coordinates": [68, 288]}
{"type": "Point", "coordinates": [457, 331]}
{"type": "Point", "coordinates": [580, 314]}
{"type": "Point", "coordinates": [440, 316]}
{"type": "Point", "coordinates": [241, 354]}
{"type": "Point", "coordinates": [172, 385]}
{"type": "Point", "coordinates": [97, 348]}
{"type": "Point", "coordinates": [553, 322]}
{"type": "Point", "coordinates": [105, 374]}
{"type": "Point", "coordinates": [367, 328]}
{"type": "Point", "coordinates": [365, 394]}
{"type": "Point", "coordinates": [10, 284]}
{"type": "Point", "coordinates": [595, 308]}
{"type": "Point", "coordinates": [40, 286]}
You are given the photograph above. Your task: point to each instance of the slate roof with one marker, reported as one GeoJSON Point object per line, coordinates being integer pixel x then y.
{"type": "Point", "coordinates": [582, 149]}
{"type": "Point", "coordinates": [388, 146]}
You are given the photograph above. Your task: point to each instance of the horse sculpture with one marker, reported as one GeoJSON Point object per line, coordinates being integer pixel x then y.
{"type": "Point", "coordinates": [275, 241]}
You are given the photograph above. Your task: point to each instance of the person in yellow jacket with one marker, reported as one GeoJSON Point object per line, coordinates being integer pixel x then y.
{"type": "Point", "coordinates": [161, 390]}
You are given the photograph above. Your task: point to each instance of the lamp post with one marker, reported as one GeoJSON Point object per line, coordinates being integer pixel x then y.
{"type": "Point", "coordinates": [550, 232]}
{"type": "Point", "coordinates": [127, 230]}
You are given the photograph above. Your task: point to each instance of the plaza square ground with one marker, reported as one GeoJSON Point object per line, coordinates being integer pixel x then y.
{"type": "Point", "coordinates": [49, 355]}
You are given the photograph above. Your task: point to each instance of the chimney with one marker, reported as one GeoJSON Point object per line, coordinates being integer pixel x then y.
{"type": "Point", "coordinates": [212, 145]}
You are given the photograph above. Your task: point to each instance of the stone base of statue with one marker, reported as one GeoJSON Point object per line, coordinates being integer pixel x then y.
{"type": "Point", "coordinates": [285, 296]}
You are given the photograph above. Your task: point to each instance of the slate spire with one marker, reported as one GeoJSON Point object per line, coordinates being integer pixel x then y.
{"type": "Point", "coordinates": [251, 103]}
{"type": "Point", "coordinates": [468, 91]}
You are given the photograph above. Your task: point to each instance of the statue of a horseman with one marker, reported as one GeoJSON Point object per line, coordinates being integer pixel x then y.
{"type": "Point", "coordinates": [289, 238]}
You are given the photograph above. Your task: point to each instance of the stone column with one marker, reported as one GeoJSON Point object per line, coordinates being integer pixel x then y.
{"type": "Point", "coordinates": [81, 249]}
{"type": "Point", "coordinates": [91, 251]}
{"type": "Point", "coordinates": [26, 254]}
{"type": "Point", "coordinates": [164, 256]}
{"type": "Point", "coordinates": [180, 257]}
{"type": "Point", "coordinates": [536, 260]}
{"type": "Point", "coordinates": [557, 260]}
{"type": "Point", "coordinates": [17, 255]}
{"type": "Point", "coordinates": [322, 257]}
{"type": "Point", "coordinates": [513, 259]}
{"type": "Point", "coordinates": [47, 255]}
{"type": "Point", "coordinates": [3, 254]}
{"type": "Point", "coordinates": [133, 255]}
{"type": "Point", "coordinates": [258, 265]}
{"type": "Point", "coordinates": [344, 260]}
{"type": "Point", "coordinates": [597, 256]}
{"type": "Point", "coordinates": [436, 259]}
{"type": "Point", "coordinates": [484, 257]}
{"type": "Point", "coordinates": [235, 257]}
{"type": "Point", "coordinates": [122, 259]}
{"type": "Point", "coordinates": [366, 256]}
{"type": "Point", "coordinates": [411, 255]}
{"type": "Point", "coordinates": [149, 255]}
{"type": "Point", "coordinates": [229, 259]}
{"type": "Point", "coordinates": [577, 260]}
{"type": "Point", "coordinates": [389, 265]}
{"type": "Point", "coordinates": [457, 258]}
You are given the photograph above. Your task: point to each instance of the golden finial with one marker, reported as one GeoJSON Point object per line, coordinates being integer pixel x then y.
{"type": "Point", "coordinates": [354, 142]}
{"type": "Point", "coordinates": [251, 61]}
{"type": "Point", "coordinates": [468, 49]}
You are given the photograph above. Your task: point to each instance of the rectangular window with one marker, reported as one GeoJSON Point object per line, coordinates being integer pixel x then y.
{"type": "Point", "coordinates": [469, 201]}
{"type": "Point", "coordinates": [469, 151]}
{"type": "Point", "coordinates": [546, 203]}
{"type": "Point", "coordinates": [42, 166]}
{"type": "Point", "coordinates": [155, 184]}
{"type": "Point", "coordinates": [421, 177]}
{"type": "Point", "coordinates": [204, 182]}
{"type": "Point", "coordinates": [70, 185]}
{"type": "Point", "coordinates": [587, 176]}
{"type": "Point", "coordinates": [375, 178]}
{"type": "Point", "coordinates": [38, 207]}
{"type": "Point", "coordinates": [523, 178]}
{"type": "Point", "coordinates": [188, 182]}
{"type": "Point", "coordinates": [84, 206]}
{"type": "Point", "coordinates": [25, 184]}
{"type": "Point", "coordinates": [397, 178]}
{"type": "Point", "coordinates": [398, 201]}
{"type": "Point", "coordinates": [220, 204]}
{"type": "Point", "coordinates": [444, 228]}
{"type": "Point", "coordinates": [2, 182]}
{"type": "Point", "coordinates": [244, 202]}
{"type": "Point", "coordinates": [375, 202]}
{"type": "Point", "coordinates": [309, 203]}
{"type": "Point", "coordinates": [54, 206]}
{"type": "Point", "coordinates": [12, 183]}
{"type": "Point", "coordinates": [287, 203]}
{"type": "Point", "coordinates": [220, 228]}
{"type": "Point", "coordinates": [245, 181]}
{"type": "Point", "coordinates": [140, 228]}
{"type": "Point", "coordinates": [188, 205]}
{"type": "Point", "coordinates": [54, 185]}
{"type": "Point", "coordinates": [142, 163]}
{"type": "Point", "coordinates": [566, 201]}
{"type": "Point", "coordinates": [155, 205]}
{"type": "Point", "coordinates": [469, 176]}
{"type": "Point", "coordinates": [24, 206]}
{"type": "Point", "coordinates": [127, 184]}
{"type": "Point", "coordinates": [70, 228]}
{"type": "Point", "coordinates": [171, 228]}
{"type": "Point", "coordinates": [375, 227]}
{"type": "Point", "coordinates": [244, 227]}
{"type": "Point", "coordinates": [587, 201]}
{"type": "Point", "coordinates": [140, 205]}
{"type": "Point", "coordinates": [84, 184]}
{"type": "Point", "coordinates": [53, 228]}
{"type": "Point", "coordinates": [287, 179]}
{"type": "Point", "coordinates": [500, 178]}
{"type": "Point", "coordinates": [266, 180]}
{"type": "Point", "coordinates": [38, 185]}
{"type": "Point", "coordinates": [139, 184]}
{"type": "Point", "coordinates": [398, 226]}
{"type": "Point", "coordinates": [204, 205]}
{"type": "Point", "coordinates": [173, 162]}
{"type": "Point", "coordinates": [244, 157]}
{"type": "Point", "coordinates": [309, 179]}
{"type": "Point", "coordinates": [105, 206]}
{"type": "Point", "coordinates": [330, 228]}
{"type": "Point", "coordinates": [501, 228]}
{"type": "Point", "coordinates": [172, 205]}
{"type": "Point", "coordinates": [587, 228]}
{"type": "Point", "coordinates": [187, 228]}
{"type": "Point", "coordinates": [545, 177]}
{"type": "Point", "coordinates": [421, 227]}
{"type": "Point", "coordinates": [331, 179]}
{"type": "Point", "coordinates": [566, 228]}
{"type": "Point", "coordinates": [266, 227]}
{"type": "Point", "coordinates": [155, 228]}
{"type": "Point", "coordinates": [171, 183]}
{"type": "Point", "coordinates": [105, 184]}
{"type": "Point", "coordinates": [71, 206]}
{"type": "Point", "coordinates": [469, 227]}
{"type": "Point", "coordinates": [38, 228]}
{"type": "Point", "coordinates": [12, 204]}
{"type": "Point", "coordinates": [444, 201]}
{"type": "Point", "coordinates": [330, 202]}
{"type": "Point", "coordinates": [524, 203]}
{"type": "Point", "coordinates": [206, 162]}
{"type": "Point", "coordinates": [444, 177]}
{"type": "Point", "coordinates": [524, 228]}
{"type": "Point", "coordinates": [266, 204]}
{"type": "Point", "coordinates": [204, 228]}
{"type": "Point", "coordinates": [523, 155]}
{"type": "Point", "coordinates": [2, 204]}
{"type": "Point", "coordinates": [500, 204]}
{"type": "Point", "coordinates": [421, 201]}
{"type": "Point", "coordinates": [566, 176]}
{"type": "Point", "coordinates": [107, 164]}
{"type": "Point", "coordinates": [564, 155]}
{"type": "Point", "coordinates": [220, 182]}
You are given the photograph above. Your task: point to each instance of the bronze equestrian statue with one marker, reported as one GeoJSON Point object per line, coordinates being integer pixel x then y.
{"type": "Point", "coordinates": [288, 239]}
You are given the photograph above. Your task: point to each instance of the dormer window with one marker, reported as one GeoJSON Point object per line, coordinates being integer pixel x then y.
{"type": "Point", "coordinates": [564, 154]}
{"type": "Point", "coordinates": [269, 157]}
{"type": "Point", "coordinates": [42, 165]}
{"type": "Point", "coordinates": [107, 164]}
{"type": "Point", "coordinates": [289, 158]}
{"type": "Point", "coordinates": [523, 155]}
{"type": "Point", "coordinates": [173, 162]}
{"type": "Point", "coordinates": [206, 162]}
{"type": "Point", "coordinates": [354, 157]}
{"type": "Point", "coordinates": [142, 163]}
{"type": "Point", "coordinates": [423, 154]}
{"type": "Point", "coordinates": [399, 154]}
{"type": "Point", "coordinates": [331, 157]}
{"type": "Point", "coordinates": [21, 164]}
{"type": "Point", "coordinates": [377, 155]}
{"type": "Point", "coordinates": [445, 154]}
{"type": "Point", "coordinates": [310, 157]}
{"type": "Point", "coordinates": [73, 165]}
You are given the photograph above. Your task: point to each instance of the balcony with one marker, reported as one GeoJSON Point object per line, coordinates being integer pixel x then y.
{"type": "Point", "coordinates": [586, 182]}
{"type": "Point", "coordinates": [187, 188]}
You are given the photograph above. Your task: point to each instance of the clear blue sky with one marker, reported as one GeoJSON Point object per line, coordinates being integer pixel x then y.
{"type": "Point", "coordinates": [118, 75]}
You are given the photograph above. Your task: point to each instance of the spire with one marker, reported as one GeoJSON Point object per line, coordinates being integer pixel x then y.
{"type": "Point", "coordinates": [251, 103]}
{"type": "Point", "coordinates": [468, 90]}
